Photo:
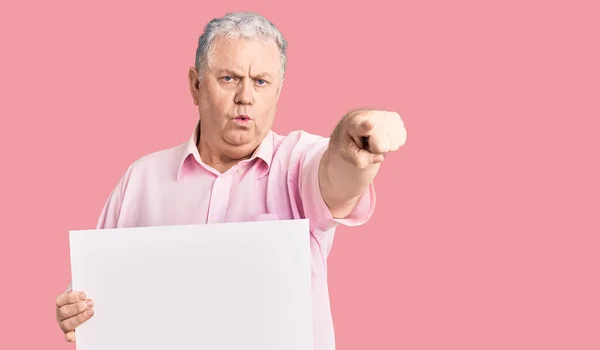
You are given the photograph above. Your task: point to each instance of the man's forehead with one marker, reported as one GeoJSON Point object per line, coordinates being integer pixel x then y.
{"type": "Point", "coordinates": [260, 55]}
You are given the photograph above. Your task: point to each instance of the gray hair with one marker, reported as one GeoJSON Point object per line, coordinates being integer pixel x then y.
{"type": "Point", "coordinates": [234, 25]}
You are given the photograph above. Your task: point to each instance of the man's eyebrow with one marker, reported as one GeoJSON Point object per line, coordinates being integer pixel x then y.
{"type": "Point", "coordinates": [264, 75]}
{"type": "Point", "coordinates": [229, 71]}
{"type": "Point", "coordinates": [234, 73]}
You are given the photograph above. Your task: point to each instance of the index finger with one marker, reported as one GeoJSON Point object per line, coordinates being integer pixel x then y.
{"type": "Point", "coordinates": [69, 298]}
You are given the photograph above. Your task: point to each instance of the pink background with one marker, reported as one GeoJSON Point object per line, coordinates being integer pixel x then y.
{"type": "Point", "coordinates": [486, 234]}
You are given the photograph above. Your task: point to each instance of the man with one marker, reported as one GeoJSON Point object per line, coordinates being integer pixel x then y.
{"type": "Point", "coordinates": [235, 168]}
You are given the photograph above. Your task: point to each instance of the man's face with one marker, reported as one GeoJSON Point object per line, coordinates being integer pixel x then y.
{"type": "Point", "coordinates": [238, 95]}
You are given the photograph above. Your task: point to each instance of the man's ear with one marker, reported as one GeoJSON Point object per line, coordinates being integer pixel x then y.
{"type": "Point", "coordinates": [194, 84]}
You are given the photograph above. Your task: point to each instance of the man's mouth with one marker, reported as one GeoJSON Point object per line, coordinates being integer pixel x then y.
{"type": "Point", "coordinates": [242, 118]}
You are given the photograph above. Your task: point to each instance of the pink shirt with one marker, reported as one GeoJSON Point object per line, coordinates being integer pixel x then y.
{"type": "Point", "coordinates": [280, 181]}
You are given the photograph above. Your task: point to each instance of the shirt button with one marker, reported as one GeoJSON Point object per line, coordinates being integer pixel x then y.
{"type": "Point", "coordinates": [240, 171]}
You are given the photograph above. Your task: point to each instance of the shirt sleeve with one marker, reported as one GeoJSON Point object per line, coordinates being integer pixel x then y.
{"type": "Point", "coordinates": [111, 217]}
{"type": "Point", "coordinates": [315, 209]}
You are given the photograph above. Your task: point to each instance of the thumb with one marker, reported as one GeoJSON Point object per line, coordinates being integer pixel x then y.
{"type": "Point", "coordinates": [70, 336]}
{"type": "Point", "coordinates": [360, 133]}
{"type": "Point", "coordinates": [362, 158]}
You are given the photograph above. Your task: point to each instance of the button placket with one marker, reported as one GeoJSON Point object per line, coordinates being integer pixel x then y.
{"type": "Point", "coordinates": [219, 198]}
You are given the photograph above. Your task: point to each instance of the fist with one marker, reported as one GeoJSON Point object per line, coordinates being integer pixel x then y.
{"type": "Point", "coordinates": [364, 137]}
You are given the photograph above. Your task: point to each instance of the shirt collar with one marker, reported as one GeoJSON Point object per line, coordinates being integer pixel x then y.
{"type": "Point", "coordinates": [263, 152]}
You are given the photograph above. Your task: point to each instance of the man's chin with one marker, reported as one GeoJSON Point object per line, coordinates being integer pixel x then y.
{"type": "Point", "coordinates": [240, 138]}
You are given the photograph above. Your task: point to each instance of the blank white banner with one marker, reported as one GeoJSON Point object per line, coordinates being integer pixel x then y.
{"type": "Point", "coordinates": [228, 286]}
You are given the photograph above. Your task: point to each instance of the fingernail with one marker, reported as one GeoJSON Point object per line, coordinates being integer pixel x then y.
{"type": "Point", "coordinates": [90, 313]}
{"type": "Point", "coordinates": [90, 303]}
{"type": "Point", "coordinates": [82, 296]}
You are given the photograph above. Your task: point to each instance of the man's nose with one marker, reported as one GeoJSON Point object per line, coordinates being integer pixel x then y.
{"type": "Point", "coordinates": [245, 93]}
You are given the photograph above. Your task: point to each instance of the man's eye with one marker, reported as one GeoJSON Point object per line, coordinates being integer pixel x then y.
{"type": "Point", "coordinates": [261, 82]}
{"type": "Point", "coordinates": [228, 78]}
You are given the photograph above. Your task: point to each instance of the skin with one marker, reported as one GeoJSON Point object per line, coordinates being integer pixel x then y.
{"type": "Point", "coordinates": [245, 79]}
{"type": "Point", "coordinates": [73, 309]}
{"type": "Point", "coordinates": [349, 166]}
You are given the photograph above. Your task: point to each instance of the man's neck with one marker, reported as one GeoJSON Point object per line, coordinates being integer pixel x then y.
{"type": "Point", "coordinates": [218, 160]}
